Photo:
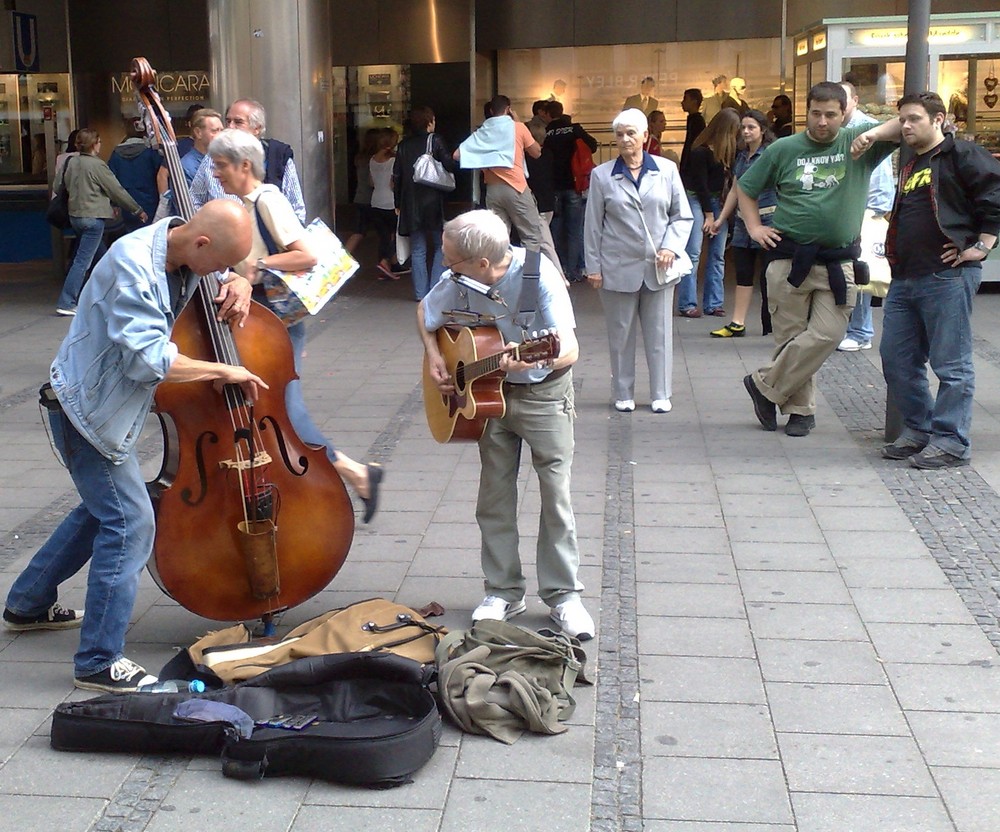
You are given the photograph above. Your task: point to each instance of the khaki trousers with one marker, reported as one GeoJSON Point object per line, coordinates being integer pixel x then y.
{"type": "Point", "coordinates": [808, 326]}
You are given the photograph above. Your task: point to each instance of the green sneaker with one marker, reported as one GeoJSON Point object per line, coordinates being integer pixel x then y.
{"type": "Point", "coordinates": [730, 330]}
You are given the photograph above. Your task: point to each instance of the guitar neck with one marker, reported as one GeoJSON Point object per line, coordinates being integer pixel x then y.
{"type": "Point", "coordinates": [483, 367]}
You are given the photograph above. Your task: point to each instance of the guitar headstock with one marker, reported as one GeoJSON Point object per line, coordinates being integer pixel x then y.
{"type": "Point", "coordinates": [543, 346]}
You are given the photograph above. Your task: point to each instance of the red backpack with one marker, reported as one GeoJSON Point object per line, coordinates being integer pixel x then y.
{"type": "Point", "coordinates": [581, 165]}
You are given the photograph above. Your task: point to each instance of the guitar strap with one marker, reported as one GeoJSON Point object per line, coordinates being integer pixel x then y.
{"type": "Point", "coordinates": [528, 302]}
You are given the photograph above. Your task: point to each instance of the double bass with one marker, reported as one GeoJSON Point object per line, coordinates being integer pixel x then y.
{"type": "Point", "coordinates": [250, 520]}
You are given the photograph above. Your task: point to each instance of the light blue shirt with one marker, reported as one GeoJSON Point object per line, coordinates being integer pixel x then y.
{"type": "Point", "coordinates": [554, 312]}
{"type": "Point", "coordinates": [882, 186]}
{"type": "Point", "coordinates": [491, 146]}
{"type": "Point", "coordinates": [205, 187]}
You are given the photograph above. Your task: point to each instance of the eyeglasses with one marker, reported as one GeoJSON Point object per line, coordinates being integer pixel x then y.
{"type": "Point", "coordinates": [452, 265]}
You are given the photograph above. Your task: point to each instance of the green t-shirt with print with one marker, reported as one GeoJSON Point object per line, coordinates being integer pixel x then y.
{"type": "Point", "coordinates": [821, 190]}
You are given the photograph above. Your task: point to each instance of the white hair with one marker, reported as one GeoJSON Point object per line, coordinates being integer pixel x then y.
{"type": "Point", "coordinates": [479, 233]}
{"type": "Point", "coordinates": [237, 146]}
{"type": "Point", "coordinates": [632, 117]}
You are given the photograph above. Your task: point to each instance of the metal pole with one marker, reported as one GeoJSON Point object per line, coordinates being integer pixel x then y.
{"type": "Point", "coordinates": [918, 26]}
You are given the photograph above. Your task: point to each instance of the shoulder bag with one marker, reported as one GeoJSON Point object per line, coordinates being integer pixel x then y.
{"type": "Point", "coordinates": [430, 172]}
{"type": "Point", "coordinates": [57, 214]}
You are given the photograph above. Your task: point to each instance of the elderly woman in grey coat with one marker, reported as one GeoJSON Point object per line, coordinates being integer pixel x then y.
{"type": "Point", "coordinates": [637, 224]}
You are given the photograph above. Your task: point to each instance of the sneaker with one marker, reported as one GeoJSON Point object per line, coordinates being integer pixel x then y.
{"type": "Point", "coordinates": [799, 425]}
{"type": "Point", "coordinates": [853, 345]}
{"type": "Point", "coordinates": [902, 448]}
{"type": "Point", "coordinates": [931, 459]}
{"type": "Point", "coordinates": [574, 619]}
{"type": "Point", "coordinates": [624, 405]}
{"type": "Point", "coordinates": [56, 617]}
{"type": "Point", "coordinates": [763, 407]}
{"type": "Point", "coordinates": [124, 676]}
{"type": "Point", "coordinates": [730, 330]}
{"type": "Point", "coordinates": [66, 311]}
{"type": "Point", "coordinates": [493, 608]}
{"type": "Point", "coordinates": [398, 269]}
{"type": "Point", "coordinates": [661, 406]}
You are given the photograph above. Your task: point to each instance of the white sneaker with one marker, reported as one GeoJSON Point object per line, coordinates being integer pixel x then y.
{"type": "Point", "coordinates": [853, 345]}
{"type": "Point", "coordinates": [624, 405]}
{"type": "Point", "coordinates": [661, 406]}
{"type": "Point", "coordinates": [66, 311]}
{"type": "Point", "coordinates": [574, 619]}
{"type": "Point", "coordinates": [493, 608]}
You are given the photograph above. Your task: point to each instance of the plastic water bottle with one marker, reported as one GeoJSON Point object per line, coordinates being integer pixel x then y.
{"type": "Point", "coordinates": [173, 686]}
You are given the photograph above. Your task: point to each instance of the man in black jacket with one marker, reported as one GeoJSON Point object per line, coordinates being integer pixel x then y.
{"type": "Point", "coordinates": [561, 135]}
{"type": "Point", "coordinates": [944, 224]}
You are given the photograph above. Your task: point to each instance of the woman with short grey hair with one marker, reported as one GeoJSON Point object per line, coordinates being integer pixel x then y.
{"type": "Point", "coordinates": [638, 221]}
{"type": "Point", "coordinates": [237, 146]}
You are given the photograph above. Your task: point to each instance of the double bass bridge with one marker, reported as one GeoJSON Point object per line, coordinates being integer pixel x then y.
{"type": "Point", "coordinates": [260, 459]}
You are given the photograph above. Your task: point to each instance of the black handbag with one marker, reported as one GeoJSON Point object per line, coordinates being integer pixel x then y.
{"type": "Point", "coordinates": [57, 214]}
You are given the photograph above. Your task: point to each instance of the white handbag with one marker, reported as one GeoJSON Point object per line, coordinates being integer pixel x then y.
{"type": "Point", "coordinates": [430, 172]}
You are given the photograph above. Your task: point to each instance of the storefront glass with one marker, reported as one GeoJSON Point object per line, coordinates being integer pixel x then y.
{"type": "Point", "coordinates": [592, 82]}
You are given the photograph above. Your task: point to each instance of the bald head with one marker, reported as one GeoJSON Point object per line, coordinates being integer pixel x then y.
{"type": "Point", "coordinates": [217, 236]}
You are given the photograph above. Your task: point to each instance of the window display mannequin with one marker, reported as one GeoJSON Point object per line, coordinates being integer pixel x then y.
{"type": "Point", "coordinates": [720, 97]}
{"type": "Point", "coordinates": [643, 100]}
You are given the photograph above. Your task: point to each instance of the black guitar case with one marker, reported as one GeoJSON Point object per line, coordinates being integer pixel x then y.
{"type": "Point", "coordinates": [376, 722]}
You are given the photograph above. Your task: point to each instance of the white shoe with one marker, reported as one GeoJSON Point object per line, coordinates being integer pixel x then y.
{"type": "Point", "coordinates": [493, 608]}
{"type": "Point", "coordinates": [853, 345]}
{"type": "Point", "coordinates": [625, 405]}
{"type": "Point", "coordinates": [574, 619]}
{"type": "Point", "coordinates": [661, 406]}
{"type": "Point", "coordinates": [66, 311]}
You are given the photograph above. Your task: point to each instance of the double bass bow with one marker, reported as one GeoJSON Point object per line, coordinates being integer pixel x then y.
{"type": "Point", "coordinates": [250, 520]}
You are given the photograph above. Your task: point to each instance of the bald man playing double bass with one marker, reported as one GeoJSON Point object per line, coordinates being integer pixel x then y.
{"type": "Point", "coordinates": [101, 386]}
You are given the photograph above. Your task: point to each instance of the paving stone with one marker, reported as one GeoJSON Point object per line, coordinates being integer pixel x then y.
{"type": "Point", "coordinates": [971, 796]}
{"type": "Point", "coordinates": [854, 764]}
{"type": "Point", "coordinates": [846, 662]}
{"type": "Point", "coordinates": [878, 543]}
{"type": "Point", "coordinates": [30, 769]}
{"type": "Point", "coordinates": [678, 636]}
{"type": "Point", "coordinates": [975, 688]}
{"type": "Point", "coordinates": [764, 505]}
{"type": "Point", "coordinates": [931, 643]}
{"type": "Point", "coordinates": [824, 622]}
{"type": "Point", "coordinates": [802, 557]}
{"type": "Point", "coordinates": [957, 739]}
{"type": "Point", "coordinates": [869, 813]}
{"type": "Point", "coordinates": [476, 804]}
{"type": "Point", "coordinates": [794, 587]}
{"type": "Point", "coordinates": [698, 679]}
{"type": "Point", "coordinates": [690, 729]}
{"type": "Point", "coordinates": [714, 826]}
{"type": "Point", "coordinates": [835, 709]}
{"type": "Point", "coordinates": [764, 529]}
{"type": "Point", "coordinates": [871, 518]}
{"type": "Point", "coordinates": [31, 812]}
{"type": "Point", "coordinates": [911, 606]}
{"type": "Point", "coordinates": [886, 573]}
{"type": "Point", "coordinates": [564, 758]}
{"type": "Point", "coordinates": [691, 600]}
{"type": "Point", "coordinates": [686, 790]}
{"type": "Point", "coordinates": [364, 819]}
{"type": "Point", "coordinates": [683, 568]}
{"type": "Point", "coordinates": [682, 539]}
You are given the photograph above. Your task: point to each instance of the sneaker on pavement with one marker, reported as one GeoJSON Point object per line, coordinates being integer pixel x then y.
{"type": "Point", "coordinates": [493, 608]}
{"type": "Point", "coordinates": [66, 311]}
{"type": "Point", "coordinates": [661, 406]}
{"type": "Point", "coordinates": [625, 405]}
{"type": "Point", "coordinates": [56, 617]}
{"type": "Point", "coordinates": [902, 448]}
{"type": "Point", "coordinates": [853, 345]}
{"type": "Point", "coordinates": [763, 407]}
{"type": "Point", "coordinates": [799, 425]}
{"type": "Point", "coordinates": [730, 330]}
{"type": "Point", "coordinates": [124, 676]}
{"type": "Point", "coordinates": [573, 618]}
{"type": "Point", "coordinates": [931, 459]}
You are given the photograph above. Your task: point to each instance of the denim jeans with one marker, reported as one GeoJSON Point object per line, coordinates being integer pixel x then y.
{"type": "Point", "coordinates": [929, 319]}
{"type": "Point", "coordinates": [90, 247]}
{"type": "Point", "coordinates": [567, 230]}
{"type": "Point", "coordinates": [422, 282]}
{"type": "Point", "coordinates": [113, 528]}
{"type": "Point", "coordinates": [713, 296]}
{"type": "Point", "coordinates": [860, 327]}
{"type": "Point", "coordinates": [295, 403]}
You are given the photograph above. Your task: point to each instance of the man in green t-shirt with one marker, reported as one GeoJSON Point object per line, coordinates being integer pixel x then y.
{"type": "Point", "coordinates": [812, 246]}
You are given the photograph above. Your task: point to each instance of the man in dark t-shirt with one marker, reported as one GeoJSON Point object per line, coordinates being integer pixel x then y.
{"type": "Point", "coordinates": [691, 104]}
{"type": "Point", "coordinates": [945, 222]}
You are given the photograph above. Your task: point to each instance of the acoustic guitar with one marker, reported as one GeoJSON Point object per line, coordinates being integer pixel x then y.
{"type": "Point", "coordinates": [472, 357]}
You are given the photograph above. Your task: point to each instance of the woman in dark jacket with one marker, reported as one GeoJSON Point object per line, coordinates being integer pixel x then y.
{"type": "Point", "coordinates": [421, 209]}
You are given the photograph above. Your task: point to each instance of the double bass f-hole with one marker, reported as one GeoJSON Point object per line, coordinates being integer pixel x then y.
{"type": "Point", "coordinates": [233, 470]}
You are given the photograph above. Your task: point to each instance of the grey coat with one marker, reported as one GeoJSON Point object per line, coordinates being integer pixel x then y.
{"type": "Point", "coordinates": [615, 241]}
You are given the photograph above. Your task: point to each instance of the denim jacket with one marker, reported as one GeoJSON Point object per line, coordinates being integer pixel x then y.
{"type": "Point", "coordinates": [118, 348]}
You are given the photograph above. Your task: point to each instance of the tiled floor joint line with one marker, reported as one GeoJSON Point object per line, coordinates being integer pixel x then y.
{"type": "Point", "coordinates": [954, 511]}
{"type": "Point", "coordinates": [141, 795]}
{"type": "Point", "coordinates": [616, 804]}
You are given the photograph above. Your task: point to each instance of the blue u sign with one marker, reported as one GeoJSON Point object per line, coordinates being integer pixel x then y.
{"type": "Point", "coordinates": [25, 42]}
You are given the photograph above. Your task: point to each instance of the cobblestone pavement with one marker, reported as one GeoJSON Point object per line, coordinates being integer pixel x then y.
{"type": "Point", "coordinates": [794, 634]}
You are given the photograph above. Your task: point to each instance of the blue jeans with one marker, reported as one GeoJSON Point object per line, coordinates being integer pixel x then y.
{"type": "Point", "coordinates": [113, 528]}
{"type": "Point", "coordinates": [860, 327]}
{"type": "Point", "coordinates": [567, 230]}
{"type": "Point", "coordinates": [295, 403]}
{"type": "Point", "coordinates": [90, 247]}
{"type": "Point", "coordinates": [713, 296]}
{"type": "Point", "coordinates": [929, 319]}
{"type": "Point", "coordinates": [422, 281]}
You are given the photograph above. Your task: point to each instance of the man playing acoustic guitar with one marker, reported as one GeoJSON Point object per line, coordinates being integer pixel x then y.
{"type": "Point", "coordinates": [486, 279]}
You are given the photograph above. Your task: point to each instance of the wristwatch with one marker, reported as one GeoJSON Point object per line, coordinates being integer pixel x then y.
{"type": "Point", "coordinates": [985, 249]}
{"type": "Point", "coordinates": [260, 265]}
